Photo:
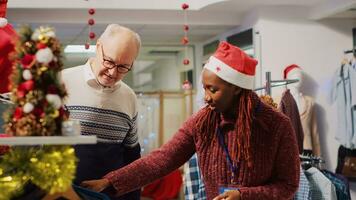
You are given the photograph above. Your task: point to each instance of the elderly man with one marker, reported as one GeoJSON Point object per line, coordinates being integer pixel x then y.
{"type": "Point", "coordinates": [105, 106]}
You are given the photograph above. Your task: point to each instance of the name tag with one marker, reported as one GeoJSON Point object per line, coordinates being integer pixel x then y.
{"type": "Point", "coordinates": [225, 189]}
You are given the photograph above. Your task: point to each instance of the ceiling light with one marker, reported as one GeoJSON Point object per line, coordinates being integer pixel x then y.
{"type": "Point", "coordinates": [79, 49]}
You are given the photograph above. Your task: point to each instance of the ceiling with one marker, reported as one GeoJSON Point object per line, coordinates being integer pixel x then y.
{"type": "Point", "coordinates": [159, 22]}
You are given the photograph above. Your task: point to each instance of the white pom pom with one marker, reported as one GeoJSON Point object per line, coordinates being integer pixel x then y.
{"type": "Point", "coordinates": [44, 55]}
{"type": "Point", "coordinates": [55, 100]}
{"type": "Point", "coordinates": [3, 22]}
{"type": "Point", "coordinates": [26, 74]}
{"type": "Point", "coordinates": [28, 107]}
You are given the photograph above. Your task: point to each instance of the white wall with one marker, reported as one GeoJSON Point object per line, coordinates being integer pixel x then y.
{"type": "Point", "coordinates": [166, 75]}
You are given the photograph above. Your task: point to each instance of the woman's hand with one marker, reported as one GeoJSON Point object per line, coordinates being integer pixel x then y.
{"type": "Point", "coordinates": [229, 195]}
{"type": "Point", "coordinates": [96, 185]}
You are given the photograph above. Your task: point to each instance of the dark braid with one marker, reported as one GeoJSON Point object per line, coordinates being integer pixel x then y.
{"type": "Point", "coordinates": [208, 121]}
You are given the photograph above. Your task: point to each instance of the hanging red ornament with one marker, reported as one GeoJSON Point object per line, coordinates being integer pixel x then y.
{"type": "Point", "coordinates": [185, 6]}
{"type": "Point", "coordinates": [91, 22]}
{"type": "Point", "coordinates": [185, 40]}
{"type": "Point", "coordinates": [91, 11]}
{"type": "Point", "coordinates": [91, 35]}
{"type": "Point", "coordinates": [186, 62]}
{"type": "Point", "coordinates": [186, 85]}
{"type": "Point", "coordinates": [186, 27]}
{"type": "Point", "coordinates": [87, 45]}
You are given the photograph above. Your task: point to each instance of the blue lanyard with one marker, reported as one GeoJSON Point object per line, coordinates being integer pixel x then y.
{"type": "Point", "coordinates": [233, 167]}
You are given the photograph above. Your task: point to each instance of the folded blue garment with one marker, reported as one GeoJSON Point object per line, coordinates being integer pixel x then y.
{"type": "Point", "coordinates": [87, 194]}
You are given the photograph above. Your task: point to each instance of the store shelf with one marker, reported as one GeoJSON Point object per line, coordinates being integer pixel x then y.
{"type": "Point", "coordinates": [42, 140]}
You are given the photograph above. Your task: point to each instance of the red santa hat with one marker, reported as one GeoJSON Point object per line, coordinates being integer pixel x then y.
{"type": "Point", "coordinates": [3, 20]}
{"type": "Point", "coordinates": [233, 65]}
{"type": "Point", "coordinates": [289, 70]}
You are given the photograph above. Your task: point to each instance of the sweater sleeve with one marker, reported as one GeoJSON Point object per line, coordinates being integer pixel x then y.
{"type": "Point", "coordinates": [285, 177]}
{"type": "Point", "coordinates": [157, 164]}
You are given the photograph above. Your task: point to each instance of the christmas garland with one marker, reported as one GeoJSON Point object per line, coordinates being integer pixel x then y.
{"type": "Point", "coordinates": [51, 168]}
{"type": "Point", "coordinates": [37, 95]}
{"type": "Point", "coordinates": [36, 90]}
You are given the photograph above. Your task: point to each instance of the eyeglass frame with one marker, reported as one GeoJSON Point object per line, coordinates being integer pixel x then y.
{"type": "Point", "coordinates": [112, 64]}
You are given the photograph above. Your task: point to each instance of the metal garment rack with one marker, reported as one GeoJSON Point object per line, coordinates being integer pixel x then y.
{"type": "Point", "coordinates": [274, 83]}
{"type": "Point", "coordinates": [5, 98]}
{"type": "Point", "coordinates": [350, 51]}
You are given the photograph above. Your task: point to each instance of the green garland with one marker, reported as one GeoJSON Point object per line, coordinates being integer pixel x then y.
{"type": "Point", "coordinates": [51, 168]}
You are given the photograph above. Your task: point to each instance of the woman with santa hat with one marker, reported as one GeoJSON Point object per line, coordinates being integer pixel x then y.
{"type": "Point", "coordinates": [246, 149]}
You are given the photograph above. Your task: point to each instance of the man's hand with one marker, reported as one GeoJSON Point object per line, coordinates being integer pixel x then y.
{"type": "Point", "coordinates": [229, 195]}
{"type": "Point", "coordinates": [96, 185]}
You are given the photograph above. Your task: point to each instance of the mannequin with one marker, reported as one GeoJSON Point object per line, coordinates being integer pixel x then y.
{"type": "Point", "coordinates": [294, 72]}
{"type": "Point", "coordinates": [306, 109]}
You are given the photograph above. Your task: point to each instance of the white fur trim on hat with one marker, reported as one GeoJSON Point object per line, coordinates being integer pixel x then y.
{"type": "Point", "coordinates": [230, 75]}
{"type": "Point", "coordinates": [3, 22]}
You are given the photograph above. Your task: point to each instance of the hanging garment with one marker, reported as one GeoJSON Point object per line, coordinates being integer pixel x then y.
{"type": "Point", "coordinates": [310, 126]}
{"type": "Point", "coordinates": [343, 92]}
{"type": "Point", "coordinates": [165, 188]}
{"type": "Point", "coordinates": [342, 187]}
{"type": "Point", "coordinates": [346, 163]}
{"type": "Point", "coordinates": [321, 188]}
{"type": "Point", "coordinates": [303, 192]}
{"type": "Point", "coordinates": [87, 194]}
{"type": "Point", "coordinates": [289, 107]}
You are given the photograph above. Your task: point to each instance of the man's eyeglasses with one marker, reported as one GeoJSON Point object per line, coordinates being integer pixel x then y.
{"type": "Point", "coordinates": [108, 64]}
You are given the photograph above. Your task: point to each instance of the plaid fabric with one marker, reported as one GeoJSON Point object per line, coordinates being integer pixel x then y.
{"type": "Point", "coordinates": [303, 192]}
{"type": "Point", "coordinates": [194, 187]}
{"type": "Point", "coordinates": [342, 188]}
{"type": "Point", "coordinates": [321, 187]}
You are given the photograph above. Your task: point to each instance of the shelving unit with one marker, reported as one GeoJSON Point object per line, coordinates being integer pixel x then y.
{"type": "Point", "coordinates": [47, 140]}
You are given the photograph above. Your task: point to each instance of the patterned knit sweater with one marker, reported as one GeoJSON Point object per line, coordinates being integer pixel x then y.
{"type": "Point", "coordinates": [273, 175]}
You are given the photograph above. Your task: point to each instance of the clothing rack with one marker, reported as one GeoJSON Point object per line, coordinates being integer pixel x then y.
{"type": "Point", "coordinates": [274, 83]}
{"type": "Point", "coordinates": [350, 51]}
{"type": "Point", "coordinates": [311, 161]}
{"type": "Point", "coordinates": [5, 98]}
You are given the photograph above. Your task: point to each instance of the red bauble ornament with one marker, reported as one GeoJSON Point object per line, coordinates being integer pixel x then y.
{"type": "Point", "coordinates": [91, 11]}
{"type": "Point", "coordinates": [87, 45]}
{"type": "Point", "coordinates": [91, 22]}
{"type": "Point", "coordinates": [40, 46]}
{"type": "Point", "coordinates": [38, 112]}
{"type": "Point", "coordinates": [185, 6]}
{"type": "Point", "coordinates": [185, 40]}
{"type": "Point", "coordinates": [91, 35]}
{"type": "Point", "coordinates": [18, 113]}
{"type": "Point", "coordinates": [52, 89]}
{"type": "Point", "coordinates": [187, 85]}
{"type": "Point", "coordinates": [27, 61]}
{"type": "Point", "coordinates": [186, 62]}
{"type": "Point", "coordinates": [186, 27]}
{"type": "Point", "coordinates": [28, 85]}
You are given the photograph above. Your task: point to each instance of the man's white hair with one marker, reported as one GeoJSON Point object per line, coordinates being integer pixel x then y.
{"type": "Point", "coordinates": [114, 29]}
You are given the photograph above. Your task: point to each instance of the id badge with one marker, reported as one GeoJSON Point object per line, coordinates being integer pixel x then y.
{"type": "Point", "coordinates": [224, 188]}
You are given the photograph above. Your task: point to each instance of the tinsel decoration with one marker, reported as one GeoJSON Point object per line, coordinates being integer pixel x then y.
{"type": "Point", "coordinates": [51, 168]}
{"type": "Point", "coordinates": [34, 77]}
{"type": "Point", "coordinates": [91, 34]}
